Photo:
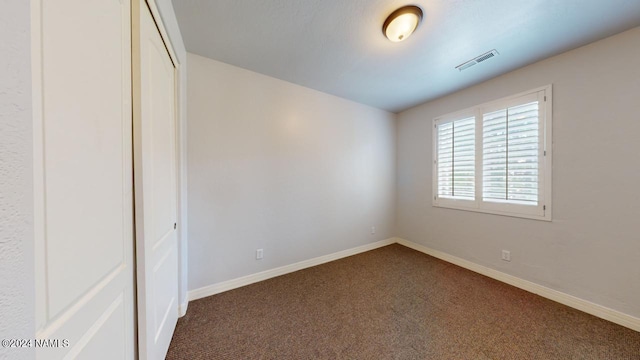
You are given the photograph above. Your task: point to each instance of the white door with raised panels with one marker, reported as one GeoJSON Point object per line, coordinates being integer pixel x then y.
{"type": "Point", "coordinates": [155, 183]}
{"type": "Point", "coordinates": [83, 187]}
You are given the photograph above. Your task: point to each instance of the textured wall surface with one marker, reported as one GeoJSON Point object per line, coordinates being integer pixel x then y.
{"type": "Point", "coordinates": [16, 201]}
{"type": "Point", "coordinates": [281, 167]}
{"type": "Point", "coordinates": [591, 249]}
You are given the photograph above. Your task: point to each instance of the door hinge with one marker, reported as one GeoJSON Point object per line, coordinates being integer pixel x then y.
{"type": "Point", "coordinates": [545, 98]}
{"type": "Point", "coordinates": [175, 226]}
{"type": "Point", "coordinates": [544, 207]}
{"type": "Point", "coordinates": [545, 153]}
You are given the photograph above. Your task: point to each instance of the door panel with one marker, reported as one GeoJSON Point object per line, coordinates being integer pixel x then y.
{"type": "Point", "coordinates": [105, 336]}
{"type": "Point", "coordinates": [155, 181]}
{"type": "Point", "coordinates": [84, 187]}
{"type": "Point", "coordinates": [165, 280]}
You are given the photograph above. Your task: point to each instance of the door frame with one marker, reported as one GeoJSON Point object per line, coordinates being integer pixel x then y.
{"type": "Point", "coordinates": [136, 5]}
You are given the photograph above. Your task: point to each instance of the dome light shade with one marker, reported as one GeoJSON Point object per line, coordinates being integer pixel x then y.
{"type": "Point", "coordinates": [402, 23]}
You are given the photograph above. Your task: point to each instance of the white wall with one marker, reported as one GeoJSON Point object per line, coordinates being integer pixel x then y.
{"type": "Point", "coordinates": [591, 249]}
{"type": "Point", "coordinates": [170, 22]}
{"type": "Point", "coordinates": [281, 167]}
{"type": "Point", "coordinates": [17, 317]}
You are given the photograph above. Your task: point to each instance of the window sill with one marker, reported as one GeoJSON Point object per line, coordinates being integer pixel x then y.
{"type": "Point", "coordinates": [545, 216]}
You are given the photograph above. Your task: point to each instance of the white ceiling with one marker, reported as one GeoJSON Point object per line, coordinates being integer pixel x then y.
{"type": "Point", "coordinates": [337, 46]}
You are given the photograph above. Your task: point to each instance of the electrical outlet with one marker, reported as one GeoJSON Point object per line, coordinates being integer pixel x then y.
{"type": "Point", "coordinates": [373, 230]}
{"type": "Point", "coordinates": [506, 255]}
{"type": "Point", "coordinates": [259, 254]}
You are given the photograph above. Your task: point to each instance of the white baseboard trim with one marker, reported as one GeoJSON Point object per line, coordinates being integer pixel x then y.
{"type": "Point", "coordinates": [182, 308]}
{"type": "Point", "coordinates": [268, 274]}
{"type": "Point", "coordinates": [600, 311]}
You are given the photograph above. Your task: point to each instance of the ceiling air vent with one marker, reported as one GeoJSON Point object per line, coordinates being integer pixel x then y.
{"type": "Point", "coordinates": [477, 59]}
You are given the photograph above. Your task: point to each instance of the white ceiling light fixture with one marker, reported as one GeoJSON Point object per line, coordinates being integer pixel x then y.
{"type": "Point", "coordinates": [402, 23]}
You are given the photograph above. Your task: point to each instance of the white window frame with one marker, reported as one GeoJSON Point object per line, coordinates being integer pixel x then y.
{"type": "Point", "coordinates": [540, 212]}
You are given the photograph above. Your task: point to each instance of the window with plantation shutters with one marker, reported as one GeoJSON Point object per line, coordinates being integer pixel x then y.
{"type": "Point", "coordinates": [495, 157]}
{"type": "Point", "coordinates": [510, 144]}
{"type": "Point", "coordinates": [456, 159]}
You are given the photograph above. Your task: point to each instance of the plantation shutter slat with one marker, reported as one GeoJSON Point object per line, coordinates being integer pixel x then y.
{"type": "Point", "coordinates": [510, 154]}
{"type": "Point", "coordinates": [445, 159]}
{"type": "Point", "coordinates": [494, 150]}
{"type": "Point", "coordinates": [456, 159]}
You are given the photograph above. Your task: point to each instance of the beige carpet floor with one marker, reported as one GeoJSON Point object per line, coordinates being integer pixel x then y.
{"type": "Point", "coordinates": [392, 303]}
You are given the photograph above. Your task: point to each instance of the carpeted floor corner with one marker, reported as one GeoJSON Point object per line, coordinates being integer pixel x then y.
{"type": "Point", "coordinates": [392, 303]}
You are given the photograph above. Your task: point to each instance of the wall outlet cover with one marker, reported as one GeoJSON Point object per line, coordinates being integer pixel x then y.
{"type": "Point", "coordinates": [506, 255]}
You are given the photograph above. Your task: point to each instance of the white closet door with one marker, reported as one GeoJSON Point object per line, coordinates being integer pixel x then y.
{"type": "Point", "coordinates": [83, 179]}
{"type": "Point", "coordinates": [156, 194]}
